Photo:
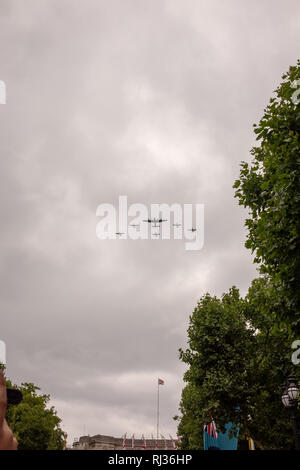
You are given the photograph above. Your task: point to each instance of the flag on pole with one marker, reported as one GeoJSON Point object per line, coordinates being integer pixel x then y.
{"type": "Point", "coordinates": [124, 441]}
{"type": "Point", "coordinates": [132, 442]}
{"type": "Point", "coordinates": [211, 429]}
{"type": "Point", "coordinates": [159, 382]}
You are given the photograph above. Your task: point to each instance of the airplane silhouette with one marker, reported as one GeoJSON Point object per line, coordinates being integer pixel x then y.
{"type": "Point", "coordinates": [155, 221]}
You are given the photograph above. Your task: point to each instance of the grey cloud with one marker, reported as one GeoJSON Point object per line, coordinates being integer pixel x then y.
{"type": "Point", "coordinates": [154, 100]}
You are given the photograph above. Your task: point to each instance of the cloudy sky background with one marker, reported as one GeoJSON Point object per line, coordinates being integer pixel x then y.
{"type": "Point", "coordinates": [153, 99]}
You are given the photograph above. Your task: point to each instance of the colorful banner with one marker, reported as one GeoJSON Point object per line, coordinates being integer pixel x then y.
{"type": "Point", "coordinates": [222, 442]}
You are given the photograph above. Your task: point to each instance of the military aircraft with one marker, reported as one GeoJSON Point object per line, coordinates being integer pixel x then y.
{"type": "Point", "coordinates": [120, 233]}
{"type": "Point", "coordinates": [192, 229]}
{"type": "Point", "coordinates": [155, 221]}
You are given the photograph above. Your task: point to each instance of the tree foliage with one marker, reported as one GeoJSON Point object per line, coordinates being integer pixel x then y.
{"type": "Point", "coordinates": [236, 367]}
{"type": "Point", "coordinates": [270, 188]}
{"type": "Point", "coordinates": [239, 350]}
{"type": "Point", "coordinates": [35, 425]}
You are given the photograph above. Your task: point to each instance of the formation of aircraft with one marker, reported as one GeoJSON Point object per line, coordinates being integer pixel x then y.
{"type": "Point", "coordinates": [155, 221]}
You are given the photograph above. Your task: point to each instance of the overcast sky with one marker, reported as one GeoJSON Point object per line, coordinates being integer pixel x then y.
{"type": "Point", "coordinates": [153, 99]}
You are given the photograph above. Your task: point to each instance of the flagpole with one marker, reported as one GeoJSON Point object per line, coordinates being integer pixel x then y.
{"type": "Point", "coordinates": [157, 427]}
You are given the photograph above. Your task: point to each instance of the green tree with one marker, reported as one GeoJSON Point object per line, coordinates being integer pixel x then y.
{"type": "Point", "coordinates": [270, 188]}
{"type": "Point", "coordinates": [236, 366]}
{"type": "Point", "coordinates": [35, 425]}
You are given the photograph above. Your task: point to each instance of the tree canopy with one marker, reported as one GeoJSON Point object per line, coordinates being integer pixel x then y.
{"type": "Point", "coordinates": [270, 188]}
{"type": "Point", "coordinates": [237, 365]}
{"type": "Point", "coordinates": [239, 349]}
{"type": "Point", "coordinates": [35, 425]}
